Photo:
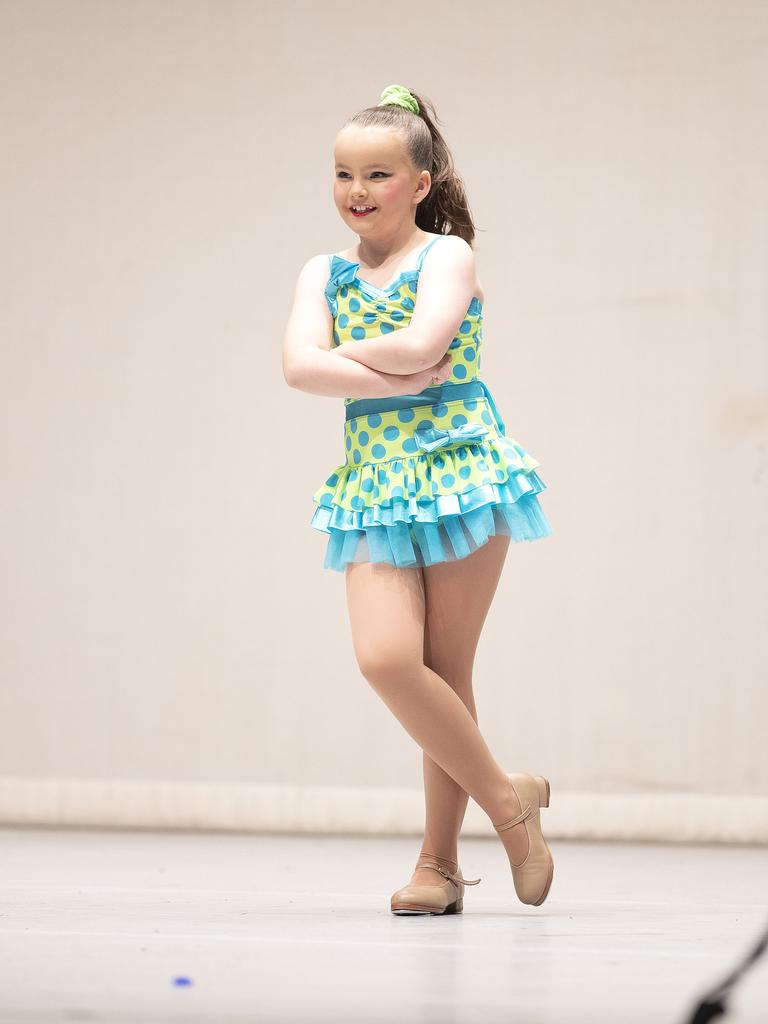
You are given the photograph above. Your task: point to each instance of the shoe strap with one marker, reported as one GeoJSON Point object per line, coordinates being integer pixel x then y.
{"type": "Point", "coordinates": [521, 817]}
{"type": "Point", "coordinates": [453, 875]}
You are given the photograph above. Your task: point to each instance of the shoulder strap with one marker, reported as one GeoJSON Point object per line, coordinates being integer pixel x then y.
{"type": "Point", "coordinates": [424, 251]}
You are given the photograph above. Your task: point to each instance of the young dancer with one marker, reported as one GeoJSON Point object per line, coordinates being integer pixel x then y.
{"type": "Point", "coordinates": [422, 511]}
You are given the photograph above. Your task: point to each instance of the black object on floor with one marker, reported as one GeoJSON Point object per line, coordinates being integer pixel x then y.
{"type": "Point", "coordinates": [714, 1003]}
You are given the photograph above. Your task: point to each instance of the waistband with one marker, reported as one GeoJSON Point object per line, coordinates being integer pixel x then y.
{"type": "Point", "coordinates": [447, 392]}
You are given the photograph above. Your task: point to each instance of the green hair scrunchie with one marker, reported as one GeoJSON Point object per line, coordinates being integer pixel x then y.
{"type": "Point", "coordinates": [399, 96]}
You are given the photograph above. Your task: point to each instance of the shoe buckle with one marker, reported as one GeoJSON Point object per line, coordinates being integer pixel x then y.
{"type": "Point", "coordinates": [455, 877]}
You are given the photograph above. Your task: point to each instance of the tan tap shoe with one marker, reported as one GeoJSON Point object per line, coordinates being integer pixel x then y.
{"type": "Point", "coordinates": [533, 876]}
{"type": "Point", "coordinates": [445, 898]}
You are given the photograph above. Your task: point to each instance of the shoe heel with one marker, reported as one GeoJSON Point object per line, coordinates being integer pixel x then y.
{"type": "Point", "coordinates": [543, 786]}
{"type": "Point", "coordinates": [457, 907]}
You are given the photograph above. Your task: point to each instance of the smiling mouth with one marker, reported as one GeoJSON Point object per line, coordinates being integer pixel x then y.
{"type": "Point", "coordinates": [363, 211]}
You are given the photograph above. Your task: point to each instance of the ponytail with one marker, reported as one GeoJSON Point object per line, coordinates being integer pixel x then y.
{"type": "Point", "coordinates": [445, 209]}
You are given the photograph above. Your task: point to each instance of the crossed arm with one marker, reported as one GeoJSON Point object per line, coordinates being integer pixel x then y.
{"type": "Point", "coordinates": [402, 351]}
{"type": "Point", "coordinates": [446, 286]}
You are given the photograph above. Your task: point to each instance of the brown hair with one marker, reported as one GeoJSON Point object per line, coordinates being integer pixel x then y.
{"type": "Point", "coordinates": [445, 209]}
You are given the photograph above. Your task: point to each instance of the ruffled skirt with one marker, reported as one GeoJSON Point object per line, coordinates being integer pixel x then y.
{"type": "Point", "coordinates": [427, 485]}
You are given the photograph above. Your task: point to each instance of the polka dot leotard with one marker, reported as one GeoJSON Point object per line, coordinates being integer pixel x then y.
{"type": "Point", "coordinates": [430, 477]}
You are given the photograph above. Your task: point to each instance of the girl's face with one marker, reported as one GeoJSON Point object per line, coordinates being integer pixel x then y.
{"type": "Point", "coordinates": [373, 170]}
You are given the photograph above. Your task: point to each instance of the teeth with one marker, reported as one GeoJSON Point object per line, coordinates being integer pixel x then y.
{"type": "Point", "coordinates": [361, 208]}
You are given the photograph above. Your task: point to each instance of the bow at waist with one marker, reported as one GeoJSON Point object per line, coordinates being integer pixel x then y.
{"type": "Point", "coordinates": [434, 437]}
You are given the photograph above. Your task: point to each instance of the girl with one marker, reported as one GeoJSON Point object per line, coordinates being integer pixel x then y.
{"type": "Point", "coordinates": [422, 511]}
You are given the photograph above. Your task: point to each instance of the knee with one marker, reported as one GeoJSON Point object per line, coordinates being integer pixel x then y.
{"type": "Point", "coordinates": [384, 666]}
{"type": "Point", "coordinates": [455, 671]}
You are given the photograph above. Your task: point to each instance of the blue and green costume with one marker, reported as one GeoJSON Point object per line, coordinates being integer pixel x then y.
{"type": "Point", "coordinates": [427, 478]}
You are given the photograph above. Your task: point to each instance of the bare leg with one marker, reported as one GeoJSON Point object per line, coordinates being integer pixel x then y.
{"type": "Point", "coordinates": [458, 598]}
{"type": "Point", "coordinates": [387, 611]}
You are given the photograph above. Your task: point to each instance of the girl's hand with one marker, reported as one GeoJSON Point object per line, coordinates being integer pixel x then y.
{"type": "Point", "coordinates": [415, 383]}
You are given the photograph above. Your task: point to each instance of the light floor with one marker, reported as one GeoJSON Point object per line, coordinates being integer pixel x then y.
{"type": "Point", "coordinates": [98, 925]}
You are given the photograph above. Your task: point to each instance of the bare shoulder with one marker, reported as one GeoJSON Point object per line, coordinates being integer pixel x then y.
{"type": "Point", "coordinates": [314, 269]}
{"type": "Point", "coordinates": [453, 263]}
{"type": "Point", "coordinates": [309, 321]}
{"type": "Point", "coordinates": [312, 280]}
{"type": "Point", "coordinates": [456, 241]}
{"type": "Point", "coordinates": [451, 252]}
{"type": "Point", "coordinates": [452, 248]}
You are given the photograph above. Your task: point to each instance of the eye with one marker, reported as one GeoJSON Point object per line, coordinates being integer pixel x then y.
{"type": "Point", "coordinates": [343, 174]}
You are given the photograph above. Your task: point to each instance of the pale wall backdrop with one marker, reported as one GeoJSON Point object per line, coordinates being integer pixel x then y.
{"type": "Point", "coordinates": [173, 653]}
